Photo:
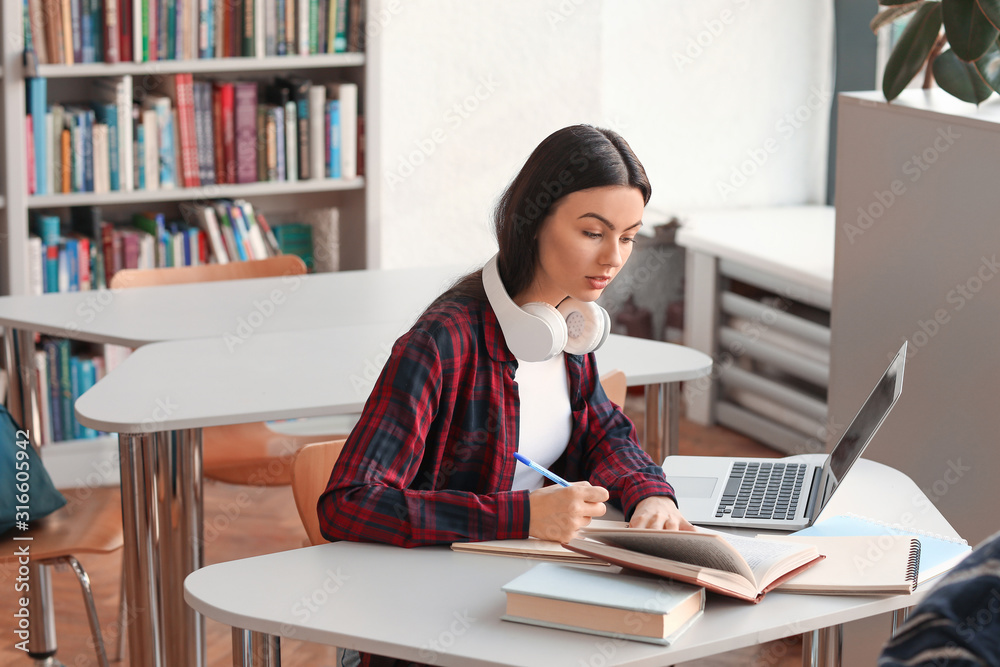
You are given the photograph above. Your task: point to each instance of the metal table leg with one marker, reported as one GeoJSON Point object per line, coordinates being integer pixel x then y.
{"type": "Point", "coordinates": [823, 647]}
{"type": "Point", "coordinates": [662, 419]}
{"type": "Point", "coordinates": [23, 399]}
{"type": "Point", "coordinates": [255, 649]}
{"type": "Point", "coordinates": [162, 520]}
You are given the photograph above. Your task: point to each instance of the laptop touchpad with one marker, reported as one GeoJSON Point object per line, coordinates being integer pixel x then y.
{"type": "Point", "coordinates": [693, 487]}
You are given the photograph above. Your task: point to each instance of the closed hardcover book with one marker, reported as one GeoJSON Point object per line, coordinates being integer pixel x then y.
{"type": "Point", "coordinates": [317, 133]}
{"type": "Point", "coordinates": [37, 101]}
{"type": "Point", "coordinates": [347, 95]}
{"type": "Point", "coordinates": [182, 91]}
{"type": "Point", "coordinates": [245, 101]}
{"type": "Point", "coordinates": [55, 401]}
{"type": "Point", "coordinates": [611, 604]}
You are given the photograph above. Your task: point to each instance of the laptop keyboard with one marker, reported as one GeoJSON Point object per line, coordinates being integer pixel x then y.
{"type": "Point", "coordinates": [757, 490]}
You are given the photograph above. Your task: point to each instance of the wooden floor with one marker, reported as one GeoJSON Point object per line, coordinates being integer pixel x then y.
{"type": "Point", "coordinates": [269, 523]}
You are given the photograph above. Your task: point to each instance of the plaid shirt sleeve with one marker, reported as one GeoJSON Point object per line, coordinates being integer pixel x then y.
{"type": "Point", "coordinates": [605, 450]}
{"type": "Point", "coordinates": [374, 492]}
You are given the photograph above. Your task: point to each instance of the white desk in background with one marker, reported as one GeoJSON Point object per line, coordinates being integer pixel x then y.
{"type": "Point", "coordinates": [760, 343]}
{"type": "Point", "coordinates": [160, 397]}
{"type": "Point", "coordinates": [432, 605]}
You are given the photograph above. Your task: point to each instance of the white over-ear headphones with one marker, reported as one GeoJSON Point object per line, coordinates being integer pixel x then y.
{"type": "Point", "coordinates": [536, 331]}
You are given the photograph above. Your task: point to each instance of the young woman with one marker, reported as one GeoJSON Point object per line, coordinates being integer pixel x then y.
{"type": "Point", "coordinates": [432, 459]}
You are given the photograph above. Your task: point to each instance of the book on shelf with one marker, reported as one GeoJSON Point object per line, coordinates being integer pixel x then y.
{"type": "Point", "coordinates": [740, 567]}
{"type": "Point", "coordinates": [85, 31]}
{"type": "Point", "coordinates": [187, 133]}
{"type": "Point", "coordinates": [313, 234]}
{"type": "Point", "coordinates": [938, 553]}
{"type": "Point", "coordinates": [347, 96]}
{"type": "Point", "coordinates": [857, 565]}
{"type": "Point", "coordinates": [610, 604]}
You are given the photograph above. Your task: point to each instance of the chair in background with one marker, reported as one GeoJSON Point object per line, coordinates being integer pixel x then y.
{"type": "Point", "coordinates": [615, 386]}
{"type": "Point", "coordinates": [240, 453]}
{"type": "Point", "coordinates": [310, 475]}
{"type": "Point", "coordinates": [91, 525]}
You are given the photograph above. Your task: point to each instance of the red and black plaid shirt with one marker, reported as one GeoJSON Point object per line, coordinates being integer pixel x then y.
{"type": "Point", "coordinates": [431, 461]}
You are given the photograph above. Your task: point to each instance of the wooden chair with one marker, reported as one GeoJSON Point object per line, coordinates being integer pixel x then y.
{"type": "Point", "coordinates": [242, 453]}
{"type": "Point", "coordinates": [314, 462]}
{"type": "Point", "coordinates": [310, 475]}
{"type": "Point", "coordinates": [615, 386]}
{"type": "Point", "coordinates": [258, 268]}
{"type": "Point", "coordinates": [85, 525]}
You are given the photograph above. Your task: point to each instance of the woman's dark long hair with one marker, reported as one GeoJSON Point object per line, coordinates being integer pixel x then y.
{"type": "Point", "coordinates": [571, 159]}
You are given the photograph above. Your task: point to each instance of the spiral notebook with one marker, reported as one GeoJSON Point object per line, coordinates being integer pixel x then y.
{"type": "Point", "coordinates": [938, 553]}
{"type": "Point", "coordinates": [857, 565]}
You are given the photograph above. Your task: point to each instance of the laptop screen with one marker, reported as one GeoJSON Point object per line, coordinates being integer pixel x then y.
{"type": "Point", "coordinates": [865, 423]}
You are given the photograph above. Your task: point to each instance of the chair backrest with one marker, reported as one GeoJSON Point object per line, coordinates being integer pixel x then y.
{"type": "Point", "coordinates": [310, 475]}
{"type": "Point", "coordinates": [280, 265]}
{"type": "Point", "coordinates": [615, 386]}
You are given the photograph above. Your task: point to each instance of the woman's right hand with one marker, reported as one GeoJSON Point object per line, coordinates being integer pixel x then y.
{"type": "Point", "coordinates": [558, 512]}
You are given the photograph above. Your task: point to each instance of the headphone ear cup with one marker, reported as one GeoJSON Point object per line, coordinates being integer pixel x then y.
{"type": "Point", "coordinates": [587, 325]}
{"type": "Point", "coordinates": [556, 323]}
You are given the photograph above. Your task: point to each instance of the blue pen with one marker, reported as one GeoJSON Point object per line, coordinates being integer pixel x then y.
{"type": "Point", "coordinates": [540, 470]}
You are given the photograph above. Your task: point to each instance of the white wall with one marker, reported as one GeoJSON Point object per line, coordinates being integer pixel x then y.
{"type": "Point", "coordinates": [467, 89]}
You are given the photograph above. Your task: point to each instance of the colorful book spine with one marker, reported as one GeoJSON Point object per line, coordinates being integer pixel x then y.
{"type": "Point", "coordinates": [333, 142]}
{"type": "Point", "coordinates": [112, 32]}
{"type": "Point", "coordinates": [245, 94]}
{"type": "Point", "coordinates": [183, 88]}
{"type": "Point", "coordinates": [37, 100]}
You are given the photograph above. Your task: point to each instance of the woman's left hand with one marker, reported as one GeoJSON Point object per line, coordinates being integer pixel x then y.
{"type": "Point", "coordinates": [658, 512]}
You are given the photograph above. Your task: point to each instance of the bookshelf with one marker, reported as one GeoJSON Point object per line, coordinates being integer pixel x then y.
{"type": "Point", "coordinates": [353, 197]}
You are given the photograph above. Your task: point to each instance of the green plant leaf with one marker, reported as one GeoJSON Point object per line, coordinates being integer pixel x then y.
{"type": "Point", "coordinates": [969, 33]}
{"type": "Point", "coordinates": [991, 10]}
{"type": "Point", "coordinates": [989, 67]}
{"type": "Point", "coordinates": [960, 78]}
{"type": "Point", "coordinates": [889, 15]}
{"type": "Point", "coordinates": [912, 49]}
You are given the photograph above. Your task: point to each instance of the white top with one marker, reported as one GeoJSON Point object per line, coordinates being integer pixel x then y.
{"type": "Point", "coordinates": [792, 242]}
{"type": "Point", "coordinates": [546, 418]}
{"type": "Point", "coordinates": [406, 602]}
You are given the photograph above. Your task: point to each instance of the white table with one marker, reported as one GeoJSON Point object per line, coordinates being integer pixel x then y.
{"type": "Point", "coordinates": [164, 393]}
{"type": "Point", "coordinates": [787, 251]}
{"type": "Point", "coordinates": [434, 605]}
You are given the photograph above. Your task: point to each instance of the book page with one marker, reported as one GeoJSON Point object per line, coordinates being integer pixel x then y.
{"type": "Point", "coordinates": [762, 555]}
{"type": "Point", "coordinates": [701, 549]}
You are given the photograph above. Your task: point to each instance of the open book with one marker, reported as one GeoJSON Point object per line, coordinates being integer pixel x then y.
{"type": "Point", "coordinates": [740, 567]}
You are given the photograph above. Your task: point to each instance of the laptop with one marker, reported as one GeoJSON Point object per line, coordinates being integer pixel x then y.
{"type": "Point", "coordinates": [778, 494]}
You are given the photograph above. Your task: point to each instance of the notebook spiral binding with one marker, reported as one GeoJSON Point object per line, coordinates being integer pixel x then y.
{"type": "Point", "coordinates": [906, 529]}
{"type": "Point", "coordinates": [913, 565]}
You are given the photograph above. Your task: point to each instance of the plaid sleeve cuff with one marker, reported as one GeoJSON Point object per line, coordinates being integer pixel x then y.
{"type": "Point", "coordinates": [640, 486]}
{"type": "Point", "coordinates": [513, 515]}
